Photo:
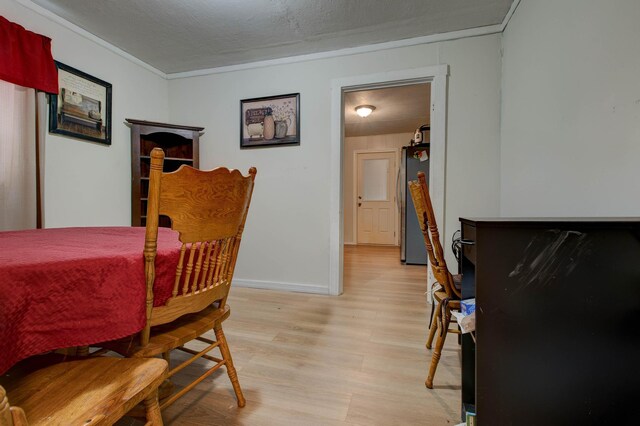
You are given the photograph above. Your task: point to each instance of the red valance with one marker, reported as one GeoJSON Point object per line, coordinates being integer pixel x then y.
{"type": "Point", "coordinates": [25, 58]}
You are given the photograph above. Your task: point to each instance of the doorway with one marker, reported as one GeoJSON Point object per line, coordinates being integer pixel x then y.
{"type": "Point", "coordinates": [398, 111]}
{"type": "Point", "coordinates": [437, 78]}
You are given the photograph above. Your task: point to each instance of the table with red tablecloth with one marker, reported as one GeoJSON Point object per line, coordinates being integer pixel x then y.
{"type": "Point", "coordinates": [67, 287]}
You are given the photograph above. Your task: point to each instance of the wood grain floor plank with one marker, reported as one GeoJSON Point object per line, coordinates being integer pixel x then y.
{"type": "Point", "coordinates": [356, 359]}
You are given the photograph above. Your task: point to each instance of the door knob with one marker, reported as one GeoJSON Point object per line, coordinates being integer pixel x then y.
{"type": "Point", "coordinates": [359, 204]}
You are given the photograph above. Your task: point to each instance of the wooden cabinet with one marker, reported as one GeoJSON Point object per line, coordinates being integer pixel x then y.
{"type": "Point", "coordinates": [180, 145]}
{"type": "Point", "coordinates": [557, 303]}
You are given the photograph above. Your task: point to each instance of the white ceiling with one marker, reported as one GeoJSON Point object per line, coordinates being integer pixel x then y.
{"type": "Point", "coordinates": [177, 36]}
{"type": "Point", "coordinates": [398, 110]}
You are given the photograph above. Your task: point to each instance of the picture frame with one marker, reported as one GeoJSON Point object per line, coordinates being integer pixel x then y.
{"type": "Point", "coordinates": [257, 130]}
{"type": "Point", "coordinates": [82, 107]}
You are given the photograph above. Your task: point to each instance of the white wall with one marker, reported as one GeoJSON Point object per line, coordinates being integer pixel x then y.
{"type": "Point", "coordinates": [89, 183]}
{"type": "Point", "coordinates": [473, 139]}
{"type": "Point", "coordinates": [570, 130]}
{"type": "Point", "coordinates": [362, 143]}
{"type": "Point", "coordinates": [286, 241]}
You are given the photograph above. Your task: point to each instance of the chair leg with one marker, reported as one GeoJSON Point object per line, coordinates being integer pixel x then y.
{"type": "Point", "coordinates": [434, 325]}
{"type": "Point", "coordinates": [152, 409]}
{"type": "Point", "coordinates": [166, 388]}
{"type": "Point", "coordinates": [231, 370]}
{"type": "Point", "coordinates": [17, 415]}
{"type": "Point", "coordinates": [444, 328]}
{"type": "Point", "coordinates": [82, 351]}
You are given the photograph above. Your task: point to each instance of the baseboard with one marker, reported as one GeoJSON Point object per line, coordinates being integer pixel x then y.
{"type": "Point", "coordinates": [274, 285]}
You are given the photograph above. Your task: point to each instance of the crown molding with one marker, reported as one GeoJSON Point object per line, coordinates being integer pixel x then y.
{"type": "Point", "coordinates": [454, 35]}
{"type": "Point", "coordinates": [87, 35]}
{"type": "Point", "coordinates": [509, 14]}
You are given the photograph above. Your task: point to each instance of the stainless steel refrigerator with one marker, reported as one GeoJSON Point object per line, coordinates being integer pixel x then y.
{"type": "Point", "coordinates": [412, 249]}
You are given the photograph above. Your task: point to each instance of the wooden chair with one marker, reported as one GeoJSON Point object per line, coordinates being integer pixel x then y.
{"type": "Point", "coordinates": [448, 298]}
{"type": "Point", "coordinates": [208, 209]}
{"type": "Point", "coordinates": [91, 391]}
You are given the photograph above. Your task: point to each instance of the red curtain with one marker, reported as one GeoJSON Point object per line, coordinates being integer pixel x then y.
{"type": "Point", "coordinates": [25, 58]}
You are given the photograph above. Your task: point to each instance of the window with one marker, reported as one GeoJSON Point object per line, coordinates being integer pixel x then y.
{"type": "Point", "coordinates": [18, 207]}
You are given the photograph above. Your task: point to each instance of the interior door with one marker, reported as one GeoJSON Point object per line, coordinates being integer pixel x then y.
{"type": "Point", "coordinates": [376, 206]}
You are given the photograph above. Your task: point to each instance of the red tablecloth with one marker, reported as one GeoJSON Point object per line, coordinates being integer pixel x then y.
{"type": "Point", "coordinates": [76, 286]}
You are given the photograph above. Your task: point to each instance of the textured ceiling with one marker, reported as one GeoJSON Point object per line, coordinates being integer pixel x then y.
{"type": "Point", "coordinates": [399, 109]}
{"type": "Point", "coordinates": [177, 36]}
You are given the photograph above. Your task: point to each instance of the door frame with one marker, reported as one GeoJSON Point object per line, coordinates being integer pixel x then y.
{"type": "Point", "coordinates": [396, 151]}
{"type": "Point", "coordinates": [437, 75]}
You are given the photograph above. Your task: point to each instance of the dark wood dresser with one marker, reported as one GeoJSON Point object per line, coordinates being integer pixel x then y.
{"type": "Point", "coordinates": [557, 321]}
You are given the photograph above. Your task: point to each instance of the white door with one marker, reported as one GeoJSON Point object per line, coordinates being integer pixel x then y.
{"type": "Point", "coordinates": [376, 198]}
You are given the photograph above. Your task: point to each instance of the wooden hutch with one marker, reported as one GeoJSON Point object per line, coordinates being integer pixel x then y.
{"type": "Point", "coordinates": [180, 145]}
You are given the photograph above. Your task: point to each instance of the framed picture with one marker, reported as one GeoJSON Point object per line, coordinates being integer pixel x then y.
{"type": "Point", "coordinates": [270, 121]}
{"type": "Point", "coordinates": [82, 108]}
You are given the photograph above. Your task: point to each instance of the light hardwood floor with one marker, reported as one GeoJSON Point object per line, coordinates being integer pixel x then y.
{"type": "Point", "coordinates": [356, 359]}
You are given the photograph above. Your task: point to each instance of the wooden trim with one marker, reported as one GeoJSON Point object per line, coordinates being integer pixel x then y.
{"type": "Point", "coordinates": [168, 126]}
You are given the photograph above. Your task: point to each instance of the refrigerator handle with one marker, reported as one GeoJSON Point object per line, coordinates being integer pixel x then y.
{"type": "Point", "coordinates": [398, 190]}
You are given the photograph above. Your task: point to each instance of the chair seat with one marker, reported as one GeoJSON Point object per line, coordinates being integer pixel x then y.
{"type": "Point", "coordinates": [96, 391]}
{"type": "Point", "coordinates": [457, 282]}
{"type": "Point", "coordinates": [169, 336]}
{"type": "Point", "coordinates": [440, 295]}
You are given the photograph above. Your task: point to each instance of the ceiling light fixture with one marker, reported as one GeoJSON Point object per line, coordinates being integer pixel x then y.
{"type": "Point", "coordinates": [364, 110]}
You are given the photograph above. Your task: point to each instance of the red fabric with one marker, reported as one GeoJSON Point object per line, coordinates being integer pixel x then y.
{"type": "Point", "coordinates": [76, 286]}
{"type": "Point", "coordinates": [25, 58]}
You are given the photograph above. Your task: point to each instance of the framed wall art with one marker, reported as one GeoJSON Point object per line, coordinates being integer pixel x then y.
{"type": "Point", "coordinates": [82, 108]}
{"type": "Point", "coordinates": [270, 121]}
